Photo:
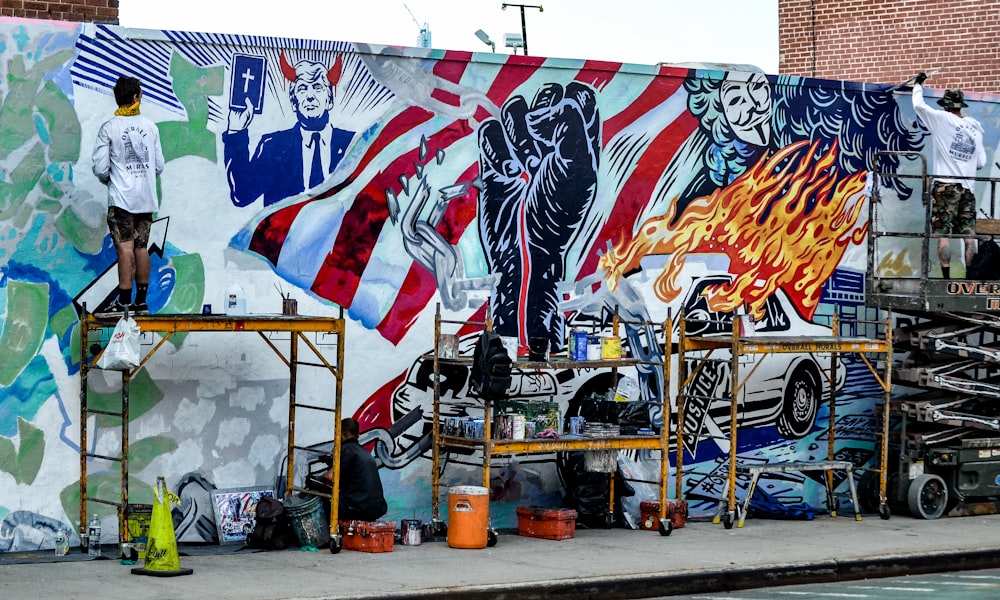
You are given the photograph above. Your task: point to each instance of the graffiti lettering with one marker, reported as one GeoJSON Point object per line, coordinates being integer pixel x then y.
{"type": "Point", "coordinates": [971, 288]}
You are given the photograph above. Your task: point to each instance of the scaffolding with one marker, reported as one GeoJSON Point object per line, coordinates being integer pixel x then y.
{"type": "Point", "coordinates": [697, 352]}
{"type": "Point", "coordinates": [492, 447]}
{"type": "Point", "coordinates": [330, 329]}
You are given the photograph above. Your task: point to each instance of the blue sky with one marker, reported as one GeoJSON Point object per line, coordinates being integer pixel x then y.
{"type": "Point", "coordinates": [637, 31]}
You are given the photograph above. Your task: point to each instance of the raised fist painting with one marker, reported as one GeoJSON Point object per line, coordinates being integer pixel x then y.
{"type": "Point", "coordinates": [538, 165]}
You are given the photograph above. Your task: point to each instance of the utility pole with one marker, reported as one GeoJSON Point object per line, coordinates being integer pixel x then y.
{"type": "Point", "coordinates": [524, 26]}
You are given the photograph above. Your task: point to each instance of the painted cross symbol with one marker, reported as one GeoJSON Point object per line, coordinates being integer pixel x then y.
{"type": "Point", "coordinates": [247, 78]}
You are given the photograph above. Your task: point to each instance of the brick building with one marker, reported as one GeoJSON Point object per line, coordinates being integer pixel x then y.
{"type": "Point", "coordinates": [888, 41]}
{"type": "Point", "coordinates": [96, 11]}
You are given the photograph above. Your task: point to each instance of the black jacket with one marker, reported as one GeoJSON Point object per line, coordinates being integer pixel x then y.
{"type": "Point", "coordinates": [361, 496]}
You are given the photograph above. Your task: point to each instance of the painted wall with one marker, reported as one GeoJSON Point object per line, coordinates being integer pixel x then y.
{"type": "Point", "coordinates": [545, 193]}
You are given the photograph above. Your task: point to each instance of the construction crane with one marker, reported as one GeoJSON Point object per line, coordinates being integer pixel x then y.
{"type": "Point", "coordinates": [424, 39]}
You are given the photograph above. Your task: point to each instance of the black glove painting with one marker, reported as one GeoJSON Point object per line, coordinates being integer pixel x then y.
{"type": "Point", "coordinates": [538, 166]}
{"type": "Point", "coordinates": [920, 78]}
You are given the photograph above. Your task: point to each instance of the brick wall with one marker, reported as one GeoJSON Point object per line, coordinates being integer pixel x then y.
{"type": "Point", "coordinates": [888, 41]}
{"type": "Point", "coordinates": [96, 11]}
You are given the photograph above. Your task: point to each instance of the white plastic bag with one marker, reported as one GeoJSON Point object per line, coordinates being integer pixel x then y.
{"type": "Point", "coordinates": [637, 473]}
{"type": "Point", "coordinates": [122, 352]}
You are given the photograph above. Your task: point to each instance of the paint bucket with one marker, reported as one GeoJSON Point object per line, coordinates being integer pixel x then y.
{"type": "Point", "coordinates": [308, 522]}
{"type": "Point", "coordinates": [538, 349]}
{"type": "Point", "coordinates": [411, 532]}
{"type": "Point", "coordinates": [611, 348]}
{"type": "Point", "coordinates": [468, 516]}
{"type": "Point", "coordinates": [578, 341]}
{"type": "Point", "coordinates": [593, 348]}
{"type": "Point", "coordinates": [517, 426]}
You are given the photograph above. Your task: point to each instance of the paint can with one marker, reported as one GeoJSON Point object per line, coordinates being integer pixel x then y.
{"type": "Point", "coordinates": [62, 543]}
{"type": "Point", "coordinates": [578, 341]}
{"type": "Point", "coordinates": [411, 532]}
{"type": "Point", "coordinates": [611, 348]}
{"type": "Point", "coordinates": [576, 425]}
{"type": "Point", "coordinates": [538, 349]}
{"type": "Point", "coordinates": [517, 427]}
{"type": "Point", "coordinates": [593, 348]}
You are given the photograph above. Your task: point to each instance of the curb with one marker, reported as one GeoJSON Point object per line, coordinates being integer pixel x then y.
{"type": "Point", "coordinates": [628, 587]}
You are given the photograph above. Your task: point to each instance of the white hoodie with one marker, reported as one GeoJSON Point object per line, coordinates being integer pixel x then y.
{"type": "Point", "coordinates": [958, 142]}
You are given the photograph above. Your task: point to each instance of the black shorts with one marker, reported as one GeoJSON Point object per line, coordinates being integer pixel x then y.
{"type": "Point", "coordinates": [127, 227]}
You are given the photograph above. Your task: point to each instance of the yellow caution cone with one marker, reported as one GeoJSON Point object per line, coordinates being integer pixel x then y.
{"type": "Point", "coordinates": [162, 559]}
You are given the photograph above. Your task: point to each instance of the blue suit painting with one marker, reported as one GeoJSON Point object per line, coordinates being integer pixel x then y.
{"type": "Point", "coordinates": [289, 161]}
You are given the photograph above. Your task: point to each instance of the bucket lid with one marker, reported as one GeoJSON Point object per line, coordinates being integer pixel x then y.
{"type": "Point", "coordinates": [469, 490]}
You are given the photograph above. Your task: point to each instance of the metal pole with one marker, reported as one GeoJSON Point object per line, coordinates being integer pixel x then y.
{"type": "Point", "coordinates": [524, 26]}
{"type": "Point", "coordinates": [524, 32]}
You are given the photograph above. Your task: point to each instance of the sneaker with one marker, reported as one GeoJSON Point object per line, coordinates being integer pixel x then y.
{"type": "Point", "coordinates": [115, 309]}
{"type": "Point", "coordinates": [138, 308]}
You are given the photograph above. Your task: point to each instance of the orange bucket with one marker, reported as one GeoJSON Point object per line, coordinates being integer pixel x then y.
{"type": "Point", "coordinates": [468, 516]}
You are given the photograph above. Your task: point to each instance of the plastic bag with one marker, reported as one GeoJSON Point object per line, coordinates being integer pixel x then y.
{"type": "Point", "coordinates": [638, 473]}
{"type": "Point", "coordinates": [122, 352]}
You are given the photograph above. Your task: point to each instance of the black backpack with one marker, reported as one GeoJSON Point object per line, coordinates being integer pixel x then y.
{"type": "Point", "coordinates": [986, 263]}
{"type": "Point", "coordinates": [272, 529]}
{"type": "Point", "coordinates": [491, 366]}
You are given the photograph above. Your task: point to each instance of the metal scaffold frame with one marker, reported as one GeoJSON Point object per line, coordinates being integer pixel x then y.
{"type": "Point", "coordinates": [741, 343]}
{"type": "Point", "coordinates": [491, 447]}
{"type": "Point", "coordinates": [264, 325]}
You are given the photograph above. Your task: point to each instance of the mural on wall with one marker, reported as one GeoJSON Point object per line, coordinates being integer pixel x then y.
{"type": "Point", "coordinates": [545, 194]}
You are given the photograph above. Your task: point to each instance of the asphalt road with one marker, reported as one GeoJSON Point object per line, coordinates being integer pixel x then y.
{"type": "Point", "coordinates": [958, 585]}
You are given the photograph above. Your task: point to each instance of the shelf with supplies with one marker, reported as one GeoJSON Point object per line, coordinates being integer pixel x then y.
{"type": "Point", "coordinates": [286, 335]}
{"type": "Point", "coordinates": [468, 435]}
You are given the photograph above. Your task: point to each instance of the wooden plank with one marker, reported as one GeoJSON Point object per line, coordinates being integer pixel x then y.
{"type": "Point", "coordinates": [988, 226]}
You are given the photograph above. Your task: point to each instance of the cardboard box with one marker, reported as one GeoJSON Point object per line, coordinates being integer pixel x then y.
{"type": "Point", "coordinates": [677, 511]}
{"type": "Point", "coordinates": [547, 523]}
{"type": "Point", "coordinates": [368, 536]}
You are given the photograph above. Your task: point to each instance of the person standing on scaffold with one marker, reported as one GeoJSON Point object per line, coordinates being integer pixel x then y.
{"type": "Point", "coordinates": [958, 154]}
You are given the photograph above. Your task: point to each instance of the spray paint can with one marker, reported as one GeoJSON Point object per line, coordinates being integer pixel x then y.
{"type": "Point", "coordinates": [62, 543]}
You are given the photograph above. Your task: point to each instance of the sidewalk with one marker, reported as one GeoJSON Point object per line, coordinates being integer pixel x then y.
{"type": "Point", "coordinates": [608, 564]}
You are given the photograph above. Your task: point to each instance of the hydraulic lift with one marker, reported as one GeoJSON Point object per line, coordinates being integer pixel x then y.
{"type": "Point", "coordinates": [945, 440]}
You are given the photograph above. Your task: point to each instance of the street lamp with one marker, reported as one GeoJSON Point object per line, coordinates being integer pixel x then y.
{"type": "Point", "coordinates": [486, 39]}
{"type": "Point", "coordinates": [524, 27]}
{"type": "Point", "coordinates": [513, 41]}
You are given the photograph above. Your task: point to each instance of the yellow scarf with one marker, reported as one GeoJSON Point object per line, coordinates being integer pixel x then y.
{"type": "Point", "coordinates": [128, 111]}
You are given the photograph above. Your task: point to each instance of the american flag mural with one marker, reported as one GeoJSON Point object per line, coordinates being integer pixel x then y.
{"type": "Point", "coordinates": [541, 193]}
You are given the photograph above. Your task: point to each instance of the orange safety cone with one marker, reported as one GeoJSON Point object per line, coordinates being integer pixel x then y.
{"type": "Point", "coordinates": [162, 559]}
